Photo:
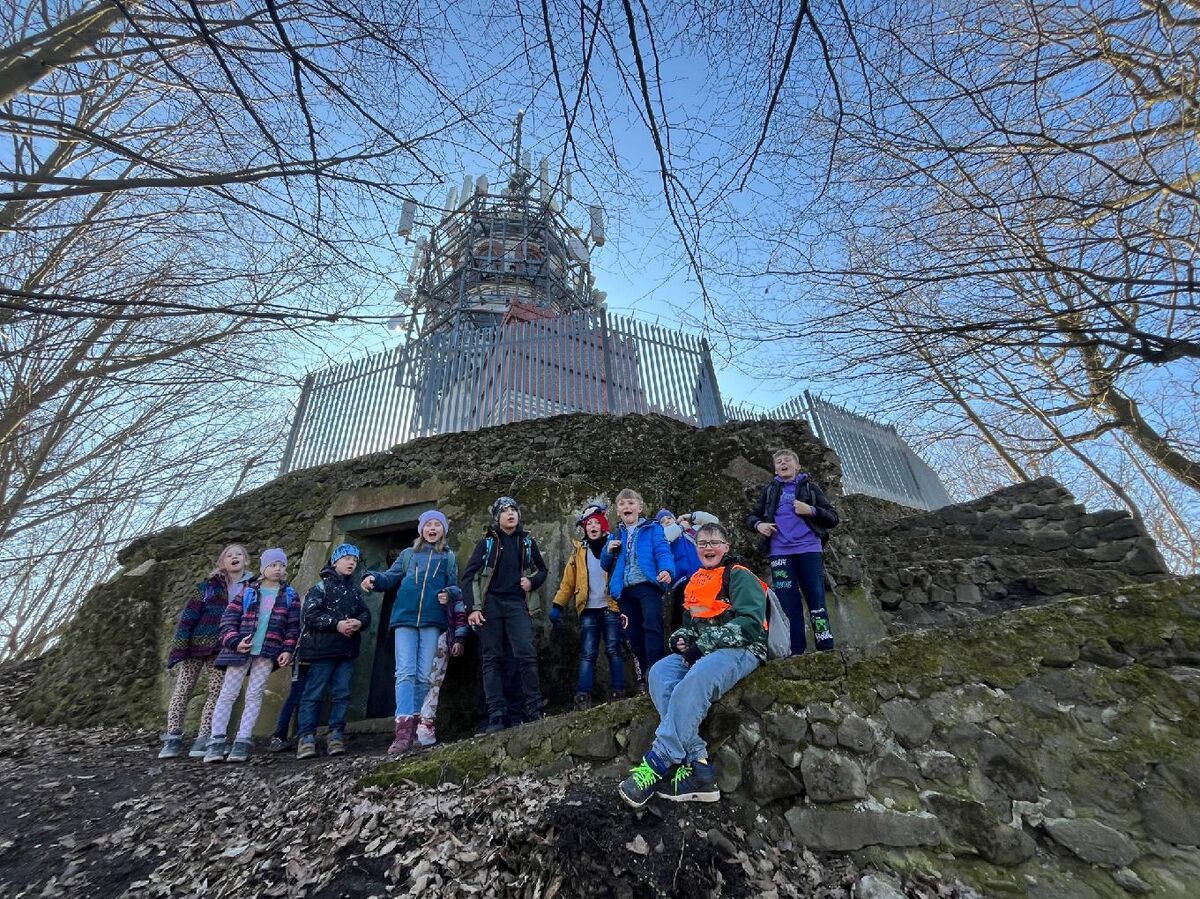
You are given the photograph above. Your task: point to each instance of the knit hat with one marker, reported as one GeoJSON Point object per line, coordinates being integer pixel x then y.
{"type": "Point", "coordinates": [432, 515]}
{"type": "Point", "coordinates": [344, 549]}
{"type": "Point", "coordinates": [596, 511]}
{"type": "Point", "coordinates": [702, 518]}
{"type": "Point", "coordinates": [270, 557]}
{"type": "Point", "coordinates": [663, 513]}
{"type": "Point", "coordinates": [504, 502]}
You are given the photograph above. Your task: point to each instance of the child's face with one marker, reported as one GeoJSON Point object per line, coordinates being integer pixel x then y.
{"type": "Point", "coordinates": [433, 531]}
{"type": "Point", "coordinates": [508, 519]}
{"type": "Point", "coordinates": [629, 509]}
{"type": "Point", "coordinates": [667, 520]}
{"type": "Point", "coordinates": [711, 547]}
{"type": "Point", "coordinates": [593, 529]}
{"type": "Point", "coordinates": [786, 466]}
{"type": "Point", "coordinates": [233, 560]}
{"type": "Point", "coordinates": [275, 571]}
{"type": "Point", "coordinates": [345, 565]}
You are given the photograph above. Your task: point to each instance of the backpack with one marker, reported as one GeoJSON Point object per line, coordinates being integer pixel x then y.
{"type": "Point", "coordinates": [777, 623]}
{"type": "Point", "coordinates": [284, 588]}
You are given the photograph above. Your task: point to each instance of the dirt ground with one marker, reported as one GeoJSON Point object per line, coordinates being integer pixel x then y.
{"type": "Point", "coordinates": [91, 812]}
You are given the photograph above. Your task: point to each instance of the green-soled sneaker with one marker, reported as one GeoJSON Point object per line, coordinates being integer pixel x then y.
{"type": "Point", "coordinates": [691, 783]}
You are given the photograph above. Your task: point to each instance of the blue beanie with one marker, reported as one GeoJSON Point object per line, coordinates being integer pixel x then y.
{"type": "Point", "coordinates": [344, 549]}
{"type": "Point", "coordinates": [663, 513]}
{"type": "Point", "coordinates": [432, 515]}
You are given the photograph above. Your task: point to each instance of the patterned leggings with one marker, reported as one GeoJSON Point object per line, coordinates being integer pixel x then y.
{"type": "Point", "coordinates": [260, 670]}
{"type": "Point", "coordinates": [185, 683]}
{"type": "Point", "coordinates": [437, 674]}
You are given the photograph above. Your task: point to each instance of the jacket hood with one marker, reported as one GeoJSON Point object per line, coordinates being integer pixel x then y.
{"type": "Point", "coordinates": [800, 476]}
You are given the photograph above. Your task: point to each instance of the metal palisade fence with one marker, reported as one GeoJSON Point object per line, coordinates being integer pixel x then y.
{"type": "Point", "coordinates": [875, 459]}
{"type": "Point", "coordinates": [467, 379]}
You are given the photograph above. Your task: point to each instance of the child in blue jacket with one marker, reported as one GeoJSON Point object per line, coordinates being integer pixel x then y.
{"type": "Point", "coordinates": [639, 559]}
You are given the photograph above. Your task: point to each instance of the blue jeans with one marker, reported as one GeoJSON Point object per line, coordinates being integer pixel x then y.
{"type": "Point", "coordinates": [299, 680]}
{"type": "Point", "coordinates": [335, 674]}
{"type": "Point", "coordinates": [792, 577]}
{"type": "Point", "coordinates": [642, 606]}
{"type": "Point", "coordinates": [683, 695]}
{"type": "Point", "coordinates": [415, 649]}
{"type": "Point", "coordinates": [591, 622]}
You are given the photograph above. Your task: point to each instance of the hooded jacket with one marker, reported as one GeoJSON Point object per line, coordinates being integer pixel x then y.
{"type": "Point", "coordinates": [197, 634]}
{"type": "Point", "coordinates": [824, 518]}
{"type": "Point", "coordinates": [418, 576]}
{"type": "Point", "coordinates": [485, 559]}
{"type": "Point", "coordinates": [575, 581]}
{"type": "Point", "coordinates": [653, 555]}
{"type": "Point", "coordinates": [332, 599]}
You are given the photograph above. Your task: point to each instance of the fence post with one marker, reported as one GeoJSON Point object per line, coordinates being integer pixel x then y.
{"type": "Point", "coordinates": [606, 352]}
{"type": "Point", "coordinates": [298, 419]}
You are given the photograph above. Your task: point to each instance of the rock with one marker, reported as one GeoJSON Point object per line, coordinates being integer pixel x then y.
{"type": "Point", "coordinates": [769, 779]}
{"type": "Point", "coordinates": [967, 593]}
{"type": "Point", "coordinates": [786, 726]}
{"type": "Point", "coordinates": [839, 830]}
{"type": "Point", "coordinates": [891, 767]}
{"type": "Point", "coordinates": [595, 745]}
{"type": "Point", "coordinates": [831, 776]}
{"type": "Point", "coordinates": [824, 735]}
{"type": "Point", "coordinates": [728, 765]}
{"type": "Point", "coordinates": [1167, 817]}
{"type": "Point", "coordinates": [1092, 841]}
{"type": "Point", "coordinates": [1101, 653]}
{"type": "Point", "coordinates": [911, 723]}
{"type": "Point", "coordinates": [1003, 767]}
{"type": "Point", "coordinates": [877, 886]}
{"type": "Point", "coordinates": [641, 736]}
{"type": "Point", "coordinates": [855, 734]}
{"type": "Point", "coordinates": [971, 824]}
{"type": "Point", "coordinates": [1128, 880]}
{"type": "Point", "coordinates": [819, 711]}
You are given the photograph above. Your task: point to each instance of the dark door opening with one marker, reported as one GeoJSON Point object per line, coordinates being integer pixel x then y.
{"type": "Point", "coordinates": [381, 697]}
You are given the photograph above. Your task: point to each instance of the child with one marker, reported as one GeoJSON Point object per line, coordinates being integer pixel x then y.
{"type": "Point", "coordinates": [258, 634]}
{"type": "Point", "coordinates": [426, 726]}
{"type": "Point", "coordinates": [794, 518]}
{"type": "Point", "coordinates": [639, 559]}
{"type": "Point", "coordinates": [508, 567]}
{"type": "Point", "coordinates": [683, 546]}
{"type": "Point", "coordinates": [334, 615]}
{"type": "Point", "coordinates": [194, 647]}
{"type": "Point", "coordinates": [585, 579]}
{"type": "Point", "coordinates": [723, 638]}
{"type": "Point", "coordinates": [290, 708]}
{"type": "Point", "coordinates": [426, 575]}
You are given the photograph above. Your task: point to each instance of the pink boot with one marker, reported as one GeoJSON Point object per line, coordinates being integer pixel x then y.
{"type": "Point", "coordinates": [406, 726]}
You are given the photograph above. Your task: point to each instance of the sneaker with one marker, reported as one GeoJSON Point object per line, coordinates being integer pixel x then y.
{"type": "Point", "coordinates": [216, 750]}
{"type": "Point", "coordinates": [241, 751]}
{"type": "Point", "coordinates": [583, 701]}
{"type": "Point", "coordinates": [200, 747]}
{"type": "Point", "coordinates": [335, 744]}
{"type": "Point", "coordinates": [691, 783]}
{"type": "Point", "coordinates": [426, 736]}
{"type": "Point", "coordinates": [643, 780]}
{"type": "Point", "coordinates": [279, 744]}
{"type": "Point", "coordinates": [616, 695]}
{"type": "Point", "coordinates": [306, 748]}
{"type": "Point", "coordinates": [495, 725]}
{"type": "Point", "coordinates": [172, 747]}
{"type": "Point", "coordinates": [822, 634]}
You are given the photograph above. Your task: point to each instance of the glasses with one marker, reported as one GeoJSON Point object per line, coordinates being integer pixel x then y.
{"type": "Point", "coordinates": [711, 544]}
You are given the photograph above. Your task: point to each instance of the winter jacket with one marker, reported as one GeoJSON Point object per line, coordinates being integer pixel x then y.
{"type": "Point", "coordinates": [332, 599]}
{"type": "Point", "coordinates": [824, 518]}
{"type": "Point", "coordinates": [241, 620]}
{"type": "Point", "coordinates": [653, 555]}
{"type": "Point", "coordinates": [199, 628]}
{"type": "Point", "coordinates": [683, 551]}
{"type": "Point", "coordinates": [485, 559]}
{"type": "Point", "coordinates": [418, 576]}
{"type": "Point", "coordinates": [575, 581]}
{"type": "Point", "coordinates": [724, 607]}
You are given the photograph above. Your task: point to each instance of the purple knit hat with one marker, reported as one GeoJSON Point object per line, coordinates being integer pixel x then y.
{"type": "Point", "coordinates": [271, 556]}
{"type": "Point", "coordinates": [433, 515]}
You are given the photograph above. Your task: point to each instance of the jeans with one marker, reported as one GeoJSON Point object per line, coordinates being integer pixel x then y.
{"type": "Point", "coordinates": [803, 573]}
{"type": "Point", "coordinates": [642, 606]}
{"type": "Point", "coordinates": [415, 651]}
{"type": "Point", "coordinates": [284, 722]}
{"type": "Point", "coordinates": [591, 622]}
{"type": "Point", "coordinates": [683, 695]}
{"type": "Point", "coordinates": [335, 674]}
{"type": "Point", "coordinates": [507, 630]}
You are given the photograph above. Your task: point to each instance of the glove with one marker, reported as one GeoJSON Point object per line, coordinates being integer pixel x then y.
{"type": "Point", "coordinates": [692, 654]}
{"type": "Point", "coordinates": [556, 615]}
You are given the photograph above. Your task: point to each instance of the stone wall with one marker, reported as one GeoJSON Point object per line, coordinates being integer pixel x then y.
{"type": "Point", "coordinates": [1043, 752]}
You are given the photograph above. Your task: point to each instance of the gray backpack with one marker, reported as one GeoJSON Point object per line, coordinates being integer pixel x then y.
{"type": "Point", "coordinates": [779, 629]}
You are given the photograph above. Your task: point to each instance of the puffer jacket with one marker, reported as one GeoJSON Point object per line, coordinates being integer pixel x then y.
{"type": "Point", "coordinates": [241, 621]}
{"type": "Point", "coordinates": [198, 632]}
{"type": "Point", "coordinates": [332, 599]}
{"type": "Point", "coordinates": [653, 555]}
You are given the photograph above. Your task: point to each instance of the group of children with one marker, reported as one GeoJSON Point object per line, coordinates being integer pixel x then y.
{"type": "Point", "coordinates": [624, 582]}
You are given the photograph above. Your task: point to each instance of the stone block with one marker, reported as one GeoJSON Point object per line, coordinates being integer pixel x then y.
{"type": "Point", "coordinates": [1167, 817]}
{"type": "Point", "coordinates": [911, 723]}
{"type": "Point", "coordinates": [916, 595]}
{"type": "Point", "coordinates": [967, 593]}
{"type": "Point", "coordinates": [769, 779]}
{"type": "Point", "coordinates": [942, 766]}
{"type": "Point", "coordinates": [891, 767]}
{"type": "Point", "coordinates": [939, 594]}
{"type": "Point", "coordinates": [824, 734]}
{"type": "Point", "coordinates": [855, 734]}
{"type": "Point", "coordinates": [1121, 529]}
{"type": "Point", "coordinates": [728, 765]}
{"type": "Point", "coordinates": [1092, 841]}
{"type": "Point", "coordinates": [970, 824]}
{"type": "Point", "coordinates": [831, 776]}
{"type": "Point", "coordinates": [890, 600]}
{"type": "Point", "coordinates": [786, 726]}
{"type": "Point", "coordinates": [840, 830]}
{"type": "Point", "coordinates": [878, 886]}
{"type": "Point", "coordinates": [1107, 552]}
{"type": "Point", "coordinates": [596, 745]}
{"type": "Point", "coordinates": [1060, 655]}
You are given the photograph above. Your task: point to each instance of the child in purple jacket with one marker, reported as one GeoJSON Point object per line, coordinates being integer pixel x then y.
{"type": "Point", "coordinates": [258, 633]}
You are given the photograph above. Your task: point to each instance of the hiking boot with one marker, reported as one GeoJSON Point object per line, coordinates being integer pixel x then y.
{"type": "Point", "coordinates": [216, 750]}
{"type": "Point", "coordinates": [583, 701]}
{"type": "Point", "coordinates": [495, 724]}
{"type": "Point", "coordinates": [279, 744]}
{"type": "Point", "coordinates": [616, 695]}
{"type": "Point", "coordinates": [240, 752]}
{"type": "Point", "coordinates": [335, 743]}
{"type": "Point", "coordinates": [200, 747]}
{"type": "Point", "coordinates": [691, 783]}
{"type": "Point", "coordinates": [643, 780]}
{"type": "Point", "coordinates": [172, 747]}
{"type": "Point", "coordinates": [426, 736]}
{"type": "Point", "coordinates": [306, 748]}
{"type": "Point", "coordinates": [402, 742]}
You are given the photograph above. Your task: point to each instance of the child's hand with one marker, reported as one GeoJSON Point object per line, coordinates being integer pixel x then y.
{"type": "Point", "coordinates": [681, 645]}
{"type": "Point", "coordinates": [664, 577]}
{"type": "Point", "coordinates": [368, 583]}
{"type": "Point", "coordinates": [345, 627]}
{"type": "Point", "coordinates": [457, 649]}
{"type": "Point", "coordinates": [526, 584]}
{"type": "Point", "coordinates": [766, 528]}
{"type": "Point", "coordinates": [803, 508]}
{"type": "Point", "coordinates": [444, 597]}
{"type": "Point", "coordinates": [356, 624]}
{"type": "Point", "coordinates": [624, 622]}
{"type": "Point", "coordinates": [614, 546]}
{"type": "Point", "coordinates": [245, 645]}
{"type": "Point", "coordinates": [475, 619]}
{"type": "Point", "coordinates": [285, 659]}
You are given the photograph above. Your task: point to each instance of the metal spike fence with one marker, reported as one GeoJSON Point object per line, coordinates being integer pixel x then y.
{"type": "Point", "coordinates": [467, 379]}
{"type": "Point", "coordinates": [875, 459]}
